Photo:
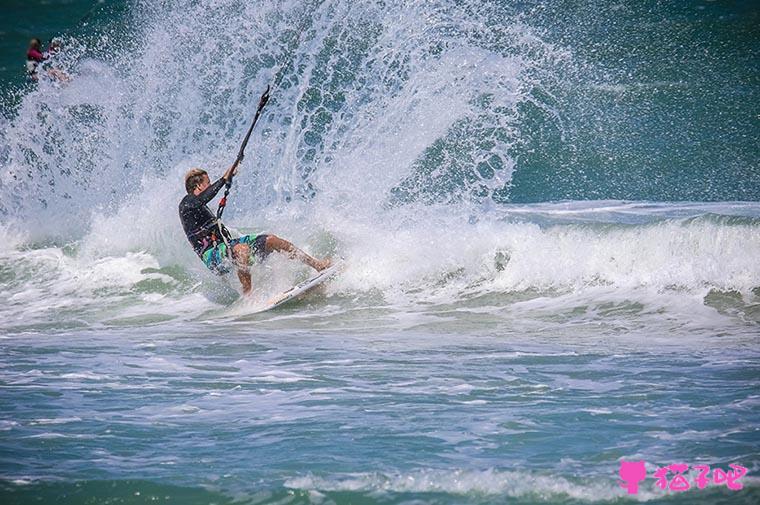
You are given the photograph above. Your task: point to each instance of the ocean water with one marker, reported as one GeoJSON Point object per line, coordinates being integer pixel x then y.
{"type": "Point", "coordinates": [549, 211]}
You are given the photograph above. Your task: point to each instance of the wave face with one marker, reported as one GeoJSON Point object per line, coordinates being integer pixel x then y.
{"type": "Point", "coordinates": [611, 261]}
{"type": "Point", "coordinates": [398, 135]}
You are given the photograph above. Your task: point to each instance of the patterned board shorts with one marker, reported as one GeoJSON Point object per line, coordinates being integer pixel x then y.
{"type": "Point", "coordinates": [218, 259]}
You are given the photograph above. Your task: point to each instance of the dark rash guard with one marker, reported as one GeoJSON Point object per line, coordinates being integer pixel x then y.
{"type": "Point", "coordinates": [198, 220]}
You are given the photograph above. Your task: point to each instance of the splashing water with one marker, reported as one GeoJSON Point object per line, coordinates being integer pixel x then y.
{"type": "Point", "coordinates": [470, 333]}
{"type": "Point", "coordinates": [389, 139]}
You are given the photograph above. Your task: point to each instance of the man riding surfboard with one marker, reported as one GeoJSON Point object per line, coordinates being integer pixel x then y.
{"type": "Point", "coordinates": [212, 241]}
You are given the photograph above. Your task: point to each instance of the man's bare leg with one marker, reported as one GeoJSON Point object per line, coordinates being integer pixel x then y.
{"type": "Point", "coordinates": [245, 280]}
{"type": "Point", "coordinates": [240, 255]}
{"type": "Point", "coordinates": [275, 243]}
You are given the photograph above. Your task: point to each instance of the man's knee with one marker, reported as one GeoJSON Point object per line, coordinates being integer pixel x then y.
{"type": "Point", "coordinates": [241, 249]}
{"type": "Point", "coordinates": [241, 253]}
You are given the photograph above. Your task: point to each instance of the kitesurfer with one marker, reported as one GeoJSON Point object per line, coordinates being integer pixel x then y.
{"type": "Point", "coordinates": [212, 241]}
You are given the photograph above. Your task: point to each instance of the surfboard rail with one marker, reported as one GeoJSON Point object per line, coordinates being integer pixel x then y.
{"type": "Point", "coordinates": [304, 287]}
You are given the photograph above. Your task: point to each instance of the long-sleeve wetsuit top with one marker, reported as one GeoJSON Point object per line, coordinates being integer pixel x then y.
{"type": "Point", "coordinates": [198, 220]}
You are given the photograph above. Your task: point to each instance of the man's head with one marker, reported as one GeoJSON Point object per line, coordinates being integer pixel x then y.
{"type": "Point", "coordinates": [35, 43]}
{"type": "Point", "coordinates": [196, 178]}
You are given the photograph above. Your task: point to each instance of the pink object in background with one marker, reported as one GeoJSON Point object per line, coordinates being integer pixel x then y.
{"type": "Point", "coordinates": [632, 472]}
{"type": "Point", "coordinates": [678, 483]}
{"type": "Point", "coordinates": [702, 479]}
{"type": "Point", "coordinates": [733, 476]}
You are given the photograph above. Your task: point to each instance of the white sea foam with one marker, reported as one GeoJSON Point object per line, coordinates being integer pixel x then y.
{"type": "Point", "coordinates": [280, 376]}
{"type": "Point", "coordinates": [10, 237]}
{"type": "Point", "coordinates": [84, 375]}
{"type": "Point", "coordinates": [6, 425]}
{"type": "Point", "coordinates": [48, 282]}
{"type": "Point", "coordinates": [463, 482]}
{"type": "Point", "coordinates": [57, 420]}
{"type": "Point", "coordinates": [456, 258]}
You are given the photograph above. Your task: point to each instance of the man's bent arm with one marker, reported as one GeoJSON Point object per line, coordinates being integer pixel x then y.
{"type": "Point", "coordinates": [210, 192]}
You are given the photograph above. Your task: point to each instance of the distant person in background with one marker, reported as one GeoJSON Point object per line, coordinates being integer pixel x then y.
{"type": "Point", "coordinates": [35, 59]}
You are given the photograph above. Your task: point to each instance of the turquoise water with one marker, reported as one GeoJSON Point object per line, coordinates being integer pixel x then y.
{"type": "Point", "coordinates": [246, 412]}
{"type": "Point", "coordinates": [550, 215]}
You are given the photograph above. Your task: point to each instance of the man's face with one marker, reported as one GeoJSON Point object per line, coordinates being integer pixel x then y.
{"type": "Point", "coordinates": [206, 182]}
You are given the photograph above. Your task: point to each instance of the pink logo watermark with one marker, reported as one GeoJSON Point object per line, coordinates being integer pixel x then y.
{"type": "Point", "coordinates": [634, 472]}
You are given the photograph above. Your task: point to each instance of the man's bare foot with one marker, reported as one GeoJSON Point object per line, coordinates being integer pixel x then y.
{"type": "Point", "coordinates": [320, 265]}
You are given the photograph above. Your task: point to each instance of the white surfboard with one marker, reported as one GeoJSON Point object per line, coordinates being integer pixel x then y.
{"type": "Point", "coordinates": [303, 287]}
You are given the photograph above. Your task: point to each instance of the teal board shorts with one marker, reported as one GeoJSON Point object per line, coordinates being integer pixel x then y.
{"type": "Point", "coordinates": [218, 260]}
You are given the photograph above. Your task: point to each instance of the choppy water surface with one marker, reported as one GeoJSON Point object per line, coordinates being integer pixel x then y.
{"type": "Point", "coordinates": [308, 416]}
{"type": "Point", "coordinates": [514, 376]}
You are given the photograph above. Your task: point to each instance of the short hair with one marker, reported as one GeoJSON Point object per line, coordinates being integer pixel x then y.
{"type": "Point", "coordinates": [193, 179]}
